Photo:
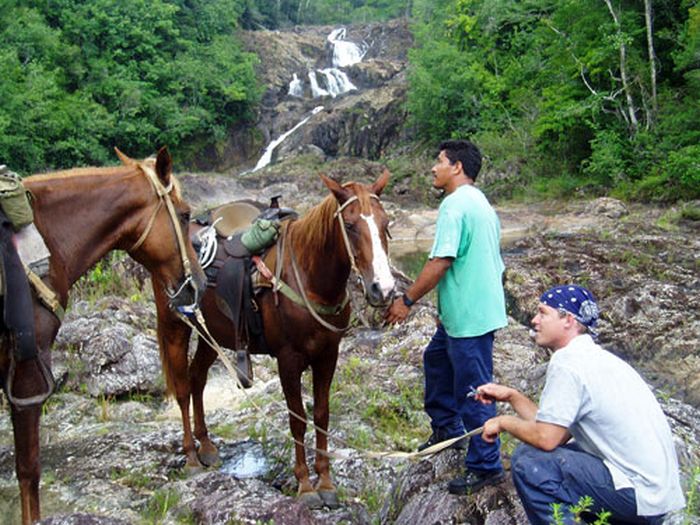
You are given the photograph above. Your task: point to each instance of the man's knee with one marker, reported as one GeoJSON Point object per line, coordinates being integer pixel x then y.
{"type": "Point", "coordinates": [537, 468]}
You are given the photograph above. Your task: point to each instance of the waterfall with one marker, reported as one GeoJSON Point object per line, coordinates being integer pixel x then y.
{"type": "Point", "coordinates": [334, 81]}
{"type": "Point", "coordinates": [296, 88]}
{"type": "Point", "coordinates": [337, 81]}
{"type": "Point", "coordinates": [316, 91]}
{"type": "Point", "coordinates": [345, 53]}
{"type": "Point", "coordinates": [267, 154]}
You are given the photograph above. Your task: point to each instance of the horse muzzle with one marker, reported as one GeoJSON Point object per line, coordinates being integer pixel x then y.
{"type": "Point", "coordinates": [378, 296]}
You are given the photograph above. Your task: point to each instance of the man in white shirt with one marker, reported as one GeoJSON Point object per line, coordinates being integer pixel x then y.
{"type": "Point", "coordinates": [622, 453]}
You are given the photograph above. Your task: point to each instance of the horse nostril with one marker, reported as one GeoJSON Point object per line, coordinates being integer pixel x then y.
{"type": "Point", "coordinates": [375, 290]}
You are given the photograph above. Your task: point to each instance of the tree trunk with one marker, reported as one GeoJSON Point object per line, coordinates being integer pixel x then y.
{"type": "Point", "coordinates": [631, 109]}
{"type": "Point", "coordinates": [652, 59]}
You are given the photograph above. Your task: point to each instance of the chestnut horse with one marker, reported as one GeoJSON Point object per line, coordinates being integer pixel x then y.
{"type": "Point", "coordinates": [82, 214]}
{"type": "Point", "coordinates": [318, 244]}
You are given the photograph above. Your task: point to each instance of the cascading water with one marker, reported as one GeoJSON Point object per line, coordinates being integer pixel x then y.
{"type": "Point", "coordinates": [316, 90]}
{"type": "Point", "coordinates": [334, 81]}
{"type": "Point", "coordinates": [296, 88]}
{"type": "Point", "coordinates": [267, 155]}
{"type": "Point", "coordinates": [345, 53]}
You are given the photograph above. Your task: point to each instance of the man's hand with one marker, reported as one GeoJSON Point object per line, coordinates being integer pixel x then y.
{"type": "Point", "coordinates": [492, 428]}
{"type": "Point", "coordinates": [491, 392]}
{"type": "Point", "coordinates": [397, 312]}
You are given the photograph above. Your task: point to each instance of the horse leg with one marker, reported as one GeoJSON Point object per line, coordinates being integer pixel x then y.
{"type": "Point", "coordinates": [203, 359]}
{"type": "Point", "coordinates": [323, 370]}
{"type": "Point", "coordinates": [25, 424]}
{"type": "Point", "coordinates": [290, 366]}
{"type": "Point", "coordinates": [173, 339]}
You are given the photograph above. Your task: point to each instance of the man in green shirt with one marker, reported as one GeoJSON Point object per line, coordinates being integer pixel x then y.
{"type": "Point", "coordinates": [466, 266]}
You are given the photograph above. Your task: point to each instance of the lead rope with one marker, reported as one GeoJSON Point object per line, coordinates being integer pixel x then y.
{"type": "Point", "coordinates": [206, 335]}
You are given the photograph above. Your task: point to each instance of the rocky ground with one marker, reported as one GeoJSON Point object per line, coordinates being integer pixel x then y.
{"type": "Point", "coordinates": [111, 442]}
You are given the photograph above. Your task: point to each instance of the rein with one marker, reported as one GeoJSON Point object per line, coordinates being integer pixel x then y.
{"type": "Point", "coordinates": [233, 369]}
{"type": "Point", "coordinates": [314, 308]}
{"type": "Point", "coordinates": [163, 193]}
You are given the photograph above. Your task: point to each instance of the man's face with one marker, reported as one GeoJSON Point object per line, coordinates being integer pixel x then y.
{"type": "Point", "coordinates": [550, 327]}
{"type": "Point", "coordinates": [442, 171]}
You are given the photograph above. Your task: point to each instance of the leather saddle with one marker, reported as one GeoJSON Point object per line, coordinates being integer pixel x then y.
{"type": "Point", "coordinates": [229, 237]}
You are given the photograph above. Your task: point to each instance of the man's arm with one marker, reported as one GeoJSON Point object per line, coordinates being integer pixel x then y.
{"type": "Point", "coordinates": [428, 279]}
{"type": "Point", "coordinates": [545, 436]}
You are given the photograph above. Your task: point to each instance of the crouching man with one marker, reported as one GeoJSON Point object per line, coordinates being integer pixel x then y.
{"type": "Point", "coordinates": [622, 453]}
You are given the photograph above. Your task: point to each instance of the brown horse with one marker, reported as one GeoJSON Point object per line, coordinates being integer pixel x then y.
{"type": "Point", "coordinates": [353, 220]}
{"type": "Point", "coordinates": [82, 214]}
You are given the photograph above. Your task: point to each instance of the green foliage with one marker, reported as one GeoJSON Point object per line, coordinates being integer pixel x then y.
{"type": "Point", "coordinates": [80, 77]}
{"type": "Point", "coordinates": [158, 506]}
{"type": "Point", "coordinates": [584, 505]}
{"type": "Point", "coordinates": [547, 78]}
{"type": "Point", "coordinates": [691, 506]}
{"type": "Point", "coordinates": [273, 14]}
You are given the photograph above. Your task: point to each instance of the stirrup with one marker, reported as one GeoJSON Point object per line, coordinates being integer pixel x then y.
{"type": "Point", "coordinates": [25, 402]}
{"type": "Point", "coordinates": [244, 368]}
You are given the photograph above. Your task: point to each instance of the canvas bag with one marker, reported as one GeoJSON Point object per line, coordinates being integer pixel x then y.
{"type": "Point", "coordinates": [14, 199]}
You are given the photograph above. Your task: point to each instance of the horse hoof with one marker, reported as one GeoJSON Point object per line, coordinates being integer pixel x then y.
{"type": "Point", "coordinates": [330, 498]}
{"type": "Point", "coordinates": [311, 500]}
{"type": "Point", "coordinates": [210, 459]}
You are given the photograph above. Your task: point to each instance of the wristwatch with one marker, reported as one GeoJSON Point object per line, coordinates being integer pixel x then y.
{"type": "Point", "coordinates": [407, 300]}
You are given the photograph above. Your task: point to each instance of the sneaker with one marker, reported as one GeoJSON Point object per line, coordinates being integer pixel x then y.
{"type": "Point", "coordinates": [434, 439]}
{"type": "Point", "coordinates": [473, 481]}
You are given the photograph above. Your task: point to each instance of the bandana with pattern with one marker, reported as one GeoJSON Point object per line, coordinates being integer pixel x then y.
{"type": "Point", "coordinates": [576, 300]}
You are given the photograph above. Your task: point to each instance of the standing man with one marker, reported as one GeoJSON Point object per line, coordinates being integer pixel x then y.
{"type": "Point", "coordinates": [623, 455]}
{"type": "Point", "coordinates": [466, 266]}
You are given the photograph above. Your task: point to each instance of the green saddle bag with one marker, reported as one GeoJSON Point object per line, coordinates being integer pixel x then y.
{"type": "Point", "coordinates": [14, 199]}
{"type": "Point", "coordinates": [261, 234]}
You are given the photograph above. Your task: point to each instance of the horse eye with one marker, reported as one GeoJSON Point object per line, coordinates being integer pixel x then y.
{"type": "Point", "coordinates": [185, 216]}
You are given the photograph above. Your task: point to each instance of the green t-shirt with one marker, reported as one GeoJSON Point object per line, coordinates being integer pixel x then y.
{"type": "Point", "coordinates": [471, 301]}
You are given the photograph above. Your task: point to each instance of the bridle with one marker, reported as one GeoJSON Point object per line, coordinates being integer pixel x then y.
{"type": "Point", "coordinates": [163, 193]}
{"type": "Point", "coordinates": [348, 247]}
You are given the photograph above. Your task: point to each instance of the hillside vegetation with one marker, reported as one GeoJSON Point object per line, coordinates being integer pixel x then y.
{"type": "Point", "coordinates": [565, 98]}
{"type": "Point", "coordinates": [587, 95]}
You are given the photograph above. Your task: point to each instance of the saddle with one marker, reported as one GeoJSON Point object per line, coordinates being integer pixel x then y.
{"type": "Point", "coordinates": [231, 236]}
{"type": "Point", "coordinates": [17, 315]}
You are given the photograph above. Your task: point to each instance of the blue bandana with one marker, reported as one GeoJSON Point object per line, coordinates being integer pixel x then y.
{"type": "Point", "coordinates": [576, 300]}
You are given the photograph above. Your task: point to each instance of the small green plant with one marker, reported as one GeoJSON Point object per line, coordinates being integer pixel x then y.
{"type": "Point", "coordinates": [584, 506]}
{"type": "Point", "coordinates": [692, 509]}
{"type": "Point", "coordinates": [158, 506]}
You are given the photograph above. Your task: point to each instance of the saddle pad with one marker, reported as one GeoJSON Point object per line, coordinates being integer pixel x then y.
{"type": "Point", "coordinates": [32, 250]}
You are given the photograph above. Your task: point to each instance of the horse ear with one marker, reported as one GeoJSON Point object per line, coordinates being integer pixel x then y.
{"type": "Point", "coordinates": [164, 165]}
{"type": "Point", "coordinates": [380, 183]}
{"type": "Point", "coordinates": [342, 194]}
{"type": "Point", "coordinates": [127, 161]}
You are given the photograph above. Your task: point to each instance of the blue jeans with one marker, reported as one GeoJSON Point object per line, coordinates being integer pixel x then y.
{"type": "Point", "coordinates": [564, 476]}
{"type": "Point", "coordinates": [452, 365]}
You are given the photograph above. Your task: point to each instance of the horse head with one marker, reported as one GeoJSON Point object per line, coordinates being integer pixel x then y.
{"type": "Point", "coordinates": [163, 243]}
{"type": "Point", "coordinates": [363, 224]}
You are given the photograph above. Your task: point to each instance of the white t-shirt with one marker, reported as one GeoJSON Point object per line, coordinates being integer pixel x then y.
{"type": "Point", "coordinates": [612, 414]}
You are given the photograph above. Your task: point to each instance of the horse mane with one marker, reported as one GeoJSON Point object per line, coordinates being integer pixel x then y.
{"type": "Point", "coordinates": [108, 170]}
{"type": "Point", "coordinates": [316, 228]}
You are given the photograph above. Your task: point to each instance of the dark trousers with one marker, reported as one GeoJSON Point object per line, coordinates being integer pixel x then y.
{"type": "Point", "coordinates": [452, 365]}
{"type": "Point", "coordinates": [564, 476]}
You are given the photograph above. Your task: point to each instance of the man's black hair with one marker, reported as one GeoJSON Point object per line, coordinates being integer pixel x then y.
{"type": "Point", "coordinates": [466, 153]}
